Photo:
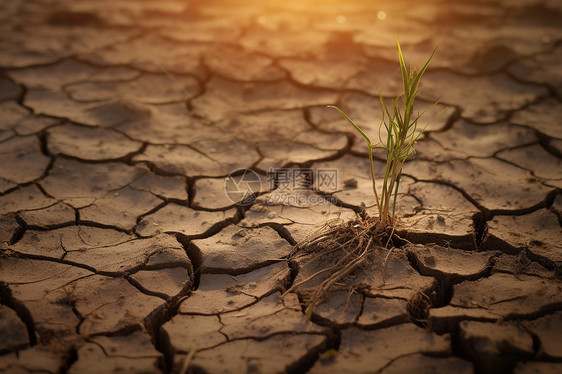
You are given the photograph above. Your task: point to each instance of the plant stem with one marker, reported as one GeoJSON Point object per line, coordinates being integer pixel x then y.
{"type": "Point", "coordinates": [401, 125]}
{"type": "Point", "coordinates": [372, 167]}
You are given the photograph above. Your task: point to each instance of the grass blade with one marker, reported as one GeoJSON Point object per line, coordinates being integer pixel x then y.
{"type": "Point", "coordinates": [352, 123]}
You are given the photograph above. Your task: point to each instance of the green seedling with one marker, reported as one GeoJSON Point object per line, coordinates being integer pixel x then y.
{"type": "Point", "coordinates": [349, 245]}
{"type": "Point", "coordinates": [402, 133]}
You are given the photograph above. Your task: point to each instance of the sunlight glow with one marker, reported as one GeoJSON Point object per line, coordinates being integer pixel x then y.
{"type": "Point", "coordinates": [341, 19]}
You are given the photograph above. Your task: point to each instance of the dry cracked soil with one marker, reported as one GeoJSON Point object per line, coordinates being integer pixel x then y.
{"type": "Point", "coordinates": [121, 252]}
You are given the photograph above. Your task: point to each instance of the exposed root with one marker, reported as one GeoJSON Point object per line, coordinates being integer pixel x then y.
{"type": "Point", "coordinates": [187, 361]}
{"type": "Point", "coordinates": [351, 243]}
{"type": "Point", "coordinates": [322, 290]}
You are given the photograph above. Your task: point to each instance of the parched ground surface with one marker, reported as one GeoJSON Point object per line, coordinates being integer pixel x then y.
{"type": "Point", "coordinates": [120, 251]}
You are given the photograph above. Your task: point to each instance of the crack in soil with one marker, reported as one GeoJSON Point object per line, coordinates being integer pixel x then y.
{"type": "Point", "coordinates": [7, 299]}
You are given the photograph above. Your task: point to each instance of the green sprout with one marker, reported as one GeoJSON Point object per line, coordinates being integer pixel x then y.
{"type": "Point", "coordinates": [402, 133]}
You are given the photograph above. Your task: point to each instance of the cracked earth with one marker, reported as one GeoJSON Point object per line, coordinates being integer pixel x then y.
{"type": "Point", "coordinates": [121, 252]}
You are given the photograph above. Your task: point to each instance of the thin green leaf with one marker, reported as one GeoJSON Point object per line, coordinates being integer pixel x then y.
{"type": "Point", "coordinates": [352, 123]}
{"type": "Point", "coordinates": [422, 71]}
{"type": "Point", "coordinates": [403, 68]}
